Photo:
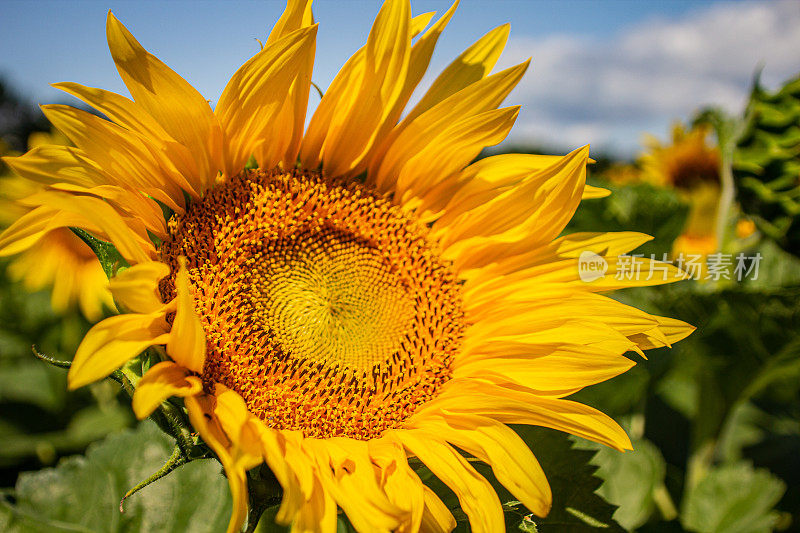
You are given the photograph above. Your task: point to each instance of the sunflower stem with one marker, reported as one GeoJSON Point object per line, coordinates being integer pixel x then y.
{"type": "Point", "coordinates": [117, 375]}
{"type": "Point", "coordinates": [51, 360]}
{"type": "Point", "coordinates": [175, 460]}
{"type": "Point", "coordinates": [120, 377]}
{"type": "Point", "coordinates": [174, 427]}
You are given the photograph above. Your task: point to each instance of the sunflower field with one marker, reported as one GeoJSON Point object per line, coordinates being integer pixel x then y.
{"type": "Point", "coordinates": [236, 319]}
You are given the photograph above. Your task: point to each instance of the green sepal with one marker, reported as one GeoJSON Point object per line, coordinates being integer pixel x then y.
{"type": "Point", "coordinates": [110, 258]}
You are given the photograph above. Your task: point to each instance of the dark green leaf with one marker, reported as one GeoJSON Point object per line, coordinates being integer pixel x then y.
{"type": "Point", "coordinates": [83, 492]}
{"type": "Point", "coordinates": [733, 499]}
{"type": "Point", "coordinates": [632, 480]}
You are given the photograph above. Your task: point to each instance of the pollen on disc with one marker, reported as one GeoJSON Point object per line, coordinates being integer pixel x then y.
{"type": "Point", "coordinates": [323, 304]}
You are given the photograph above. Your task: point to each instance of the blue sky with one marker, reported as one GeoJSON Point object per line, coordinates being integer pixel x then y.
{"type": "Point", "coordinates": [602, 72]}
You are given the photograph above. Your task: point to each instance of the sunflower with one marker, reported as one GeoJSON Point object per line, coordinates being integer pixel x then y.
{"type": "Point", "coordinates": [686, 162]}
{"type": "Point", "coordinates": [692, 167]}
{"type": "Point", "coordinates": [361, 295]}
{"type": "Point", "coordinates": [60, 260]}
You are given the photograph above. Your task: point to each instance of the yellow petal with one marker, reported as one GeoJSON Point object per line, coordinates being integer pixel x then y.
{"type": "Point", "coordinates": [129, 164]}
{"type": "Point", "coordinates": [31, 227]}
{"type": "Point", "coordinates": [94, 295]}
{"type": "Point", "coordinates": [567, 246]}
{"type": "Point", "coordinates": [521, 330]}
{"type": "Point", "coordinates": [420, 22]}
{"type": "Point", "coordinates": [253, 99]}
{"type": "Point", "coordinates": [201, 409]}
{"type": "Point", "coordinates": [436, 517]}
{"type": "Point", "coordinates": [590, 192]}
{"type": "Point", "coordinates": [528, 215]}
{"type": "Point", "coordinates": [117, 108]}
{"type": "Point", "coordinates": [296, 15]}
{"type": "Point", "coordinates": [419, 60]}
{"type": "Point", "coordinates": [137, 287]}
{"type": "Point", "coordinates": [61, 259]}
{"type": "Point", "coordinates": [126, 234]}
{"type": "Point", "coordinates": [475, 494]}
{"type": "Point", "coordinates": [178, 108]}
{"type": "Point", "coordinates": [472, 65]}
{"type": "Point", "coordinates": [518, 406]}
{"type": "Point", "coordinates": [187, 339]}
{"type": "Point", "coordinates": [453, 148]}
{"type": "Point", "coordinates": [318, 515]}
{"type": "Point", "coordinates": [338, 96]}
{"type": "Point", "coordinates": [668, 331]}
{"type": "Point", "coordinates": [112, 343]}
{"type": "Point", "coordinates": [347, 473]}
{"type": "Point", "coordinates": [59, 210]}
{"type": "Point", "coordinates": [201, 415]}
{"type": "Point", "coordinates": [398, 480]}
{"type": "Point", "coordinates": [235, 436]}
{"type": "Point", "coordinates": [176, 159]}
{"type": "Point", "coordinates": [557, 372]}
{"type": "Point", "coordinates": [56, 164]}
{"type": "Point", "coordinates": [501, 448]}
{"type": "Point", "coordinates": [411, 136]}
{"type": "Point", "coordinates": [162, 381]}
{"type": "Point", "coordinates": [482, 182]}
{"type": "Point", "coordinates": [363, 95]}
{"type": "Point", "coordinates": [126, 201]}
{"type": "Point", "coordinates": [623, 318]}
{"type": "Point", "coordinates": [274, 449]}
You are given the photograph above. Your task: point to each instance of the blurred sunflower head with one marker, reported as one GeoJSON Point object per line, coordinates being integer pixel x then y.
{"type": "Point", "coordinates": [687, 162]}
{"type": "Point", "coordinates": [365, 294]}
{"type": "Point", "coordinates": [691, 166]}
{"type": "Point", "coordinates": [59, 260]}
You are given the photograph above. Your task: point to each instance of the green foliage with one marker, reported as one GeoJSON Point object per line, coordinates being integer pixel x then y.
{"type": "Point", "coordinates": [39, 418]}
{"type": "Point", "coordinates": [733, 498]}
{"type": "Point", "coordinates": [633, 481]}
{"type": "Point", "coordinates": [641, 207]}
{"type": "Point", "coordinates": [577, 507]}
{"type": "Point", "coordinates": [767, 163]}
{"type": "Point", "coordinates": [83, 493]}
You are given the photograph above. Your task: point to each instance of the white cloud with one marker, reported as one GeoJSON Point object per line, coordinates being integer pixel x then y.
{"type": "Point", "coordinates": [607, 92]}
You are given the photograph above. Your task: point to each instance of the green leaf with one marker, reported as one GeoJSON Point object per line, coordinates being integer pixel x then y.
{"type": "Point", "coordinates": [577, 506]}
{"type": "Point", "coordinates": [733, 499]}
{"type": "Point", "coordinates": [83, 492]}
{"type": "Point", "coordinates": [632, 480]}
{"type": "Point", "coordinates": [767, 162]}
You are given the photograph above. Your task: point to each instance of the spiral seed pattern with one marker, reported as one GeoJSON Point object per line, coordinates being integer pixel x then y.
{"type": "Point", "coordinates": [323, 304]}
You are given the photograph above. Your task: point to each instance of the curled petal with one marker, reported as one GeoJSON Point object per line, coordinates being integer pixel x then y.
{"type": "Point", "coordinates": [137, 287]}
{"type": "Point", "coordinates": [187, 340]}
{"type": "Point", "coordinates": [112, 343]}
{"type": "Point", "coordinates": [159, 383]}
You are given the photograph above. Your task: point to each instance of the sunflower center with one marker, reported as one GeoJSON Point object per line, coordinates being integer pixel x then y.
{"type": "Point", "coordinates": [333, 298]}
{"type": "Point", "coordinates": [324, 305]}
